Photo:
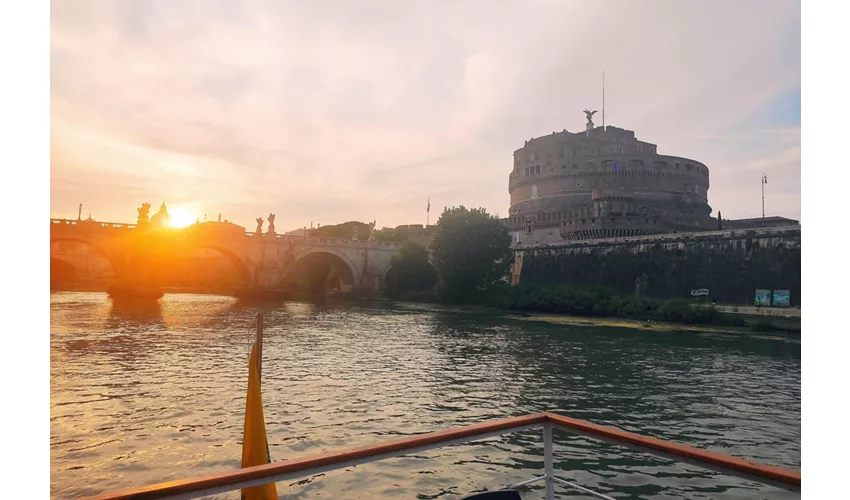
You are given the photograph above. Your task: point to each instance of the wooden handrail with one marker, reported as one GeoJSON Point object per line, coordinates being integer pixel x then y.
{"type": "Point", "coordinates": [185, 486]}
{"type": "Point", "coordinates": [770, 472]}
{"type": "Point", "coordinates": [275, 469]}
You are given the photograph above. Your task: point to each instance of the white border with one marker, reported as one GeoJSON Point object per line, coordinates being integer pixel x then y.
{"type": "Point", "coordinates": [25, 358]}
{"type": "Point", "coordinates": [824, 196]}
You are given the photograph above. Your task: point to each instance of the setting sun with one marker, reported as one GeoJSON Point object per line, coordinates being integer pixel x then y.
{"type": "Point", "coordinates": [182, 217]}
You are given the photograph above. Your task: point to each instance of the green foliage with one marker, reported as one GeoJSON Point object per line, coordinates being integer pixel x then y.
{"type": "Point", "coordinates": [685, 311]}
{"type": "Point", "coordinates": [598, 301]}
{"type": "Point", "coordinates": [410, 271]}
{"type": "Point", "coordinates": [471, 251]}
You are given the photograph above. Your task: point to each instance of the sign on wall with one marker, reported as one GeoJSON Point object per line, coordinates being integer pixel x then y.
{"type": "Point", "coordinates": [762, 297]}
{"type": "Point", "coordinates": [782, 298]}
{"type": "Point", "coordinates": [699, 292]}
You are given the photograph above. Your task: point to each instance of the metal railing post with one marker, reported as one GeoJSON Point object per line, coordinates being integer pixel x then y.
{"type": "Point", "coordinates": [548, 464]}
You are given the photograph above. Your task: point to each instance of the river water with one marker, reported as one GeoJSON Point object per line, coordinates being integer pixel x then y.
{"type": "Point", "coordinates": [145, 395]}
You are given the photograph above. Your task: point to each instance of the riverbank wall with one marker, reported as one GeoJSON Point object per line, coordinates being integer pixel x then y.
{"type": "Point", "coordinates": [730, 264]}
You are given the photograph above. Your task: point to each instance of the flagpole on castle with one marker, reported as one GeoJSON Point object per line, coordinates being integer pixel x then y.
{"type": "Point", "coordinates": [603, 101]}
{"type": "Point", "coordinates": [428, 213]}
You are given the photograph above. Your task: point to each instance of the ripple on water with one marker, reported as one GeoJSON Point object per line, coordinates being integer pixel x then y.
{"type": "Point", "coordinates": [144, 396]}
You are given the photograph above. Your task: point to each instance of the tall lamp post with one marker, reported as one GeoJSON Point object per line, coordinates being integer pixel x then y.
{"type": "Point", "coordinates": [763, 182]}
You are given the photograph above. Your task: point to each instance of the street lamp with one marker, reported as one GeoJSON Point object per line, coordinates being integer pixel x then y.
{"type": "Point", "coordinates": [763, 182]}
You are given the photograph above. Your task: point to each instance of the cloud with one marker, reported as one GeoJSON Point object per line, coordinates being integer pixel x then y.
{"type": "Point", "coordinates": [331, 111]}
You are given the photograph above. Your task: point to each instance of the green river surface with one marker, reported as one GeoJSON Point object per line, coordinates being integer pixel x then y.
{"type": "Point", "coordinates": [146, 394]}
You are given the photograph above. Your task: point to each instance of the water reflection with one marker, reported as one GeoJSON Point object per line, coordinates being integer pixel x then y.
{"type": "Point", "coordinates": [135, 315]}
{"type": "Point", "coordinates": [143, 395]}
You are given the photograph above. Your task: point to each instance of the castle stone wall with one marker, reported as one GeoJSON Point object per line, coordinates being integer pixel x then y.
{"type": "Point", "coordinates": [730, 264]}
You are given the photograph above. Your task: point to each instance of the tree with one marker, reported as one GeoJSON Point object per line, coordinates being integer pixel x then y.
{"type": "Point", "coordinates": [410, 270]}
{"type": "Point", "coordinates": [471, 252]}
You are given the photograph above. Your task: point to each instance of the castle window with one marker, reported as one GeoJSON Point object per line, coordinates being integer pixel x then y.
{"type": "Point", "coordinates": [612, 219]}
{"type": "Point", "coordinates": [593, 220]}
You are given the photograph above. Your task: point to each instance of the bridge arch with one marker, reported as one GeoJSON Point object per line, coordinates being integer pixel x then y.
{"type": "Point", "coordinates": [324, 263]}
{"type": "Point", "coordinates": [237, 261]}
{"type": "Point", "coordinates": [61, 272]}
{"type": "Point", "coordinates": [113, 261]}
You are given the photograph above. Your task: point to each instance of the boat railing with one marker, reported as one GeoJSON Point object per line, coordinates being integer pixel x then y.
{"type": "Point", "coordinates": [547, 421]}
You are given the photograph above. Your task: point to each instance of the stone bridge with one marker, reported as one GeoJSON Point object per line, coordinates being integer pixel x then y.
{"type": "Point", "coordinates": [265, 261]}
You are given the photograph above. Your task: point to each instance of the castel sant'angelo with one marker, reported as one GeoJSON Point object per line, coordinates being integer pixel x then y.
{"type": "Point", "coordinates": [603, 183]}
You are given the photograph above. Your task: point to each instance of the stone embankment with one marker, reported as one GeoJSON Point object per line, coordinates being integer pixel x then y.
{"type": "Point", "coordinates": [784, 312]}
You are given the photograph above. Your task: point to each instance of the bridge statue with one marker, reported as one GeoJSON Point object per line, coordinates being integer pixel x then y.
{"type": "Point", "coordinates": [144, 210]}
{"type": "Point", "coordinates": [589, 114]}
{"type": "Point", "coordinates": [372, 230]}
{"type": "Point", "coordinates": [271, 224]}
{"type": "Point", "coordinates": [259, 230]}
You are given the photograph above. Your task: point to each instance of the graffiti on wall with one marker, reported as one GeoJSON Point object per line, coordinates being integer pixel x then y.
{"type": "Point", "coordinates": [782, 298]}
{"type": "Point", "coordinates": [762, 297]}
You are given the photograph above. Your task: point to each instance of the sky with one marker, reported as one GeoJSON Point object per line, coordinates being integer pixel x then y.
{"type": "Point", "coordinates": [331, 111]}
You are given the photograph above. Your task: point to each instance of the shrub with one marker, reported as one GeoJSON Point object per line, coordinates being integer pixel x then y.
{"type": "Point", "coordinates": [683, 311]}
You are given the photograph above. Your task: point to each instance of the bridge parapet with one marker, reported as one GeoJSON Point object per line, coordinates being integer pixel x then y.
{"type": "Point", "coordinates": [303, 240]}
{"type": "Point", "coordinates": [92, 224]}
{"type": "Point", "coordinates": [330, 241]}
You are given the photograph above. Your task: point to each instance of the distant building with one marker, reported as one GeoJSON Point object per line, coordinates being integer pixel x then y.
{"type": "Point", "coordinates": [605, 183]}
{"type": "Point", "coordinates": [222, 229]}
{"type": "Point", "coordinates": [758, 222]}
{"type": "Point", "coordinates": [419, 233]}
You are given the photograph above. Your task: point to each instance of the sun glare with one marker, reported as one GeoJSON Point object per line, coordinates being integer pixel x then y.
{"type": "Point", "coordinates": [181, 217]}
